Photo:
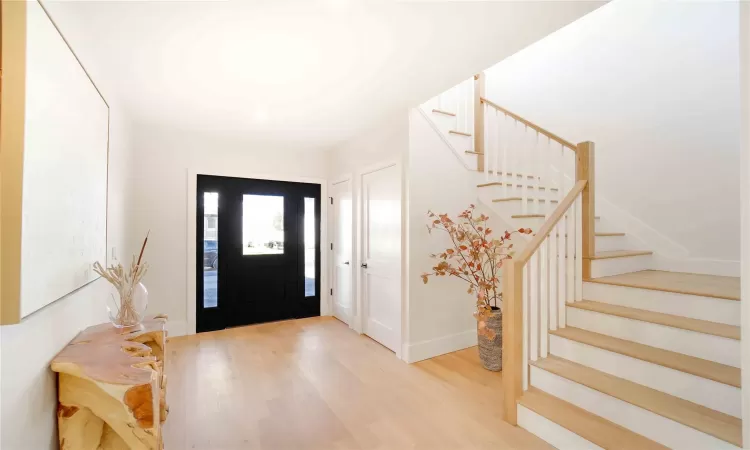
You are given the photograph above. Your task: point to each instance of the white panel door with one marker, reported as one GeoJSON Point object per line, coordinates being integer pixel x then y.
{"type": "Point", "coordinates": [342, 251]}
{"type": "Point", "coordinates": [381, 255]}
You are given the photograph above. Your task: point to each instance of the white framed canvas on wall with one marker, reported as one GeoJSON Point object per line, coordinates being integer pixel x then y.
{"type": "Point", "coordinates": [54, 135]}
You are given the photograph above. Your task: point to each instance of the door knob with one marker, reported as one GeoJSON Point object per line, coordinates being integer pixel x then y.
{"type": "Point", "coordinates": [346, 262]}
{"type": "Point", "coordinates": [364, 265]}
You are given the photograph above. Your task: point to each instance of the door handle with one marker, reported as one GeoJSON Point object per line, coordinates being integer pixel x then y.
{"type": "Point", "coordinates": [346, 262]}
{"type": "Point", "coordinates": [364, 265]}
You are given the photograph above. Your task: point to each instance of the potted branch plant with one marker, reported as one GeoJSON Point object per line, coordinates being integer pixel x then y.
{"type": "Point", "coordinates": [476, 257]}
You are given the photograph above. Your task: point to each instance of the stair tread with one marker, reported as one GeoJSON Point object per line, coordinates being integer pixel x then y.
{"type": "Point", "coordinates": [508, 199]}
{"type": "Point", "coordinates": [684, 363]}
{"type": "Point", "coordinates": [619, 254]}
{"type": "Point", "coordinates": [685, 323]}
{"type": "Point", "coordinates": [528, 216]}
{"type": "Point", "coordinates": [717, 424]}
{"type": "Point", "coordinates": [500, 183]}
{"type": "Point", "coordinates": [447, 113]}
{"type": "Point", "coordinates": [602, 235]}
{"type": "Point", "coordinates": [500, 172]}
{"type": "Point", "coordinates": [589, 426]}
{"type": "Point", "coordinates": [461, 133]}
{"type": "Point", "coordinates": [682, 283]}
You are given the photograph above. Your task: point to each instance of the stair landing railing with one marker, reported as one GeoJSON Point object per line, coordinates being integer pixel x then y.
{"type": "Point", "coordinates": [542, 169]}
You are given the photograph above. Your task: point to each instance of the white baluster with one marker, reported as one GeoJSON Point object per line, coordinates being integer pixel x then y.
{"type": "Point", "coordinates": [467, 106]}
{"type": "Point", "coordinates": [579, 249]}
{"type": "Point", "coordinates": [553, 277]}
{"type": "Point", "coordinates": [526, 325]}
{"type": "Point", "coordinates": [545, 175]}
{"type": "Point", "coordinates": [534, 306]}
{"type": "Point", "coordinates": [538, 162]}
{"type": "Point", "coordinates": [561, 174]}
{"type": "Point", "coordinates": [561, 268]}
{"type": "Point", "coordinates": [496, 158]}
{"type": "Point", "coordinates": [488, 143]}
{"type": "Point", "coordinates": [544, 312]}
{"type": "Point", "coordinates": [524, 155]}
{"type": "Point", "coordinates": [549, 275]}
{"type": "Point", "coordinates": [506, 146]}
{"type": "Point", "coordinates": [571, 263]}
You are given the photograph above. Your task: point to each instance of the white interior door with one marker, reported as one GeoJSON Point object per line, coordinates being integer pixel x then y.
{"type": "Point", "coordinates": [342, 251]}
{"type": "Point", "coordinates": [381, 255]}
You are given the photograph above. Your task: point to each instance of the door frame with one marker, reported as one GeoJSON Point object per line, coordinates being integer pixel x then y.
{"type": "Point", "coordinates": [192, 189]}
{"type": "Point", "coordinates": [331, 260]}
{"type": "Point", "coordinates": [359, 215]}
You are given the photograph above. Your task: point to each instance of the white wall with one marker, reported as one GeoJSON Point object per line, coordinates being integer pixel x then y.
{"type": "Point", "coordinates": [655, 86]}
{"type": "Point", "coordinates": [162, 160]}
{"type": "Point", "coordinates": [28, 393]}
{"type": "Point", "coordinates": [386, 141]}
{"type": "Point", "coordinates": [440, 312]}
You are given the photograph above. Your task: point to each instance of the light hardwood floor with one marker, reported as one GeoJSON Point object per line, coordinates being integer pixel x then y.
{"type": "Point", "coordinates": [315, 384]}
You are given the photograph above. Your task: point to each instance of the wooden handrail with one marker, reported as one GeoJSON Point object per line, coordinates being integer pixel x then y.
{"type": "Point", "coordinates": [536, 127]}
{"type": "Point", "coordinates": [549, 224]}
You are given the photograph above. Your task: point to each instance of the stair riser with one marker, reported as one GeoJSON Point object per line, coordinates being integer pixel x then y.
{"type": "Point", "coordinates": [609, 243]}
{"type": "Point", "coordinates": [705, 346]}
{"type": "Point", "coordinates": [505, 192]}
{"type": "Point", "coordinates": [653, 426]}
{"type": "Point", "coordinates": [693, 306]}
{"type": "Point", "coordinates": [513, 207]}
{"type": "Point", "coordinates": [551, 432]}
{"type": "Point", "coordinates": [709, 393]}
{"type": "Point", "coordinates": [617, 266]}
{"type": "Point", "coordinates": [535, 223]}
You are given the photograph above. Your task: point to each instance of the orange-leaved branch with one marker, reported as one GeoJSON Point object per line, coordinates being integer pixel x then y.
{"type": "Point", "coordinates": [476, 256]}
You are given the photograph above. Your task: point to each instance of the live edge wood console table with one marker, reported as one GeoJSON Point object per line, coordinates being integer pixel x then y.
{"type": "Point", "coordinates": [111, 388]}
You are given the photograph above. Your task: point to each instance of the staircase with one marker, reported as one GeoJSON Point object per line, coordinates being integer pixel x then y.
{"type": "Point", "coordinates": [599, 351]}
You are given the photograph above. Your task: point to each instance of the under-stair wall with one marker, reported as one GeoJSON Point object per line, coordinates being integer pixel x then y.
{"type": "Point", "coordinates": [440, 313]}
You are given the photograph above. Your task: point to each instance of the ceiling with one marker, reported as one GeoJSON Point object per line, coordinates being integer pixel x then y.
{"type": "Point", "coordinates": [307, 73]}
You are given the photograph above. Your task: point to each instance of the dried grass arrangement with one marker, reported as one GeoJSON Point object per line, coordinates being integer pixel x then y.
{"type": "Point", "coordinates": [128, 309]}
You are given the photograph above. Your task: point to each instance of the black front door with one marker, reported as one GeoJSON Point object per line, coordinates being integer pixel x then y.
{"type": "Point", "coordinates": [258, 251]}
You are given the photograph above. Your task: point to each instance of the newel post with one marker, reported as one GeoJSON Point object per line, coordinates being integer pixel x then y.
{"type": "Point", "coordinates": [512, 338]}
{"type": "Point", "coordinates": [585, 170]}
{"type": "Point", "coordinates": [479, 81]}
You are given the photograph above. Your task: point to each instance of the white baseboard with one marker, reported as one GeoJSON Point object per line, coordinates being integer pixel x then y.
{"type": "Point", "coordinates": [419, 351]}
{"type": "Point", "coordinates": [176, 328]}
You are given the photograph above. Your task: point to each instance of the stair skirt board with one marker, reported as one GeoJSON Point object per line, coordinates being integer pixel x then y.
{"type": "Point", "coordinates": [705, 346]}
{"type": "Point", "coordinates": [685, 305]}
{"type": "Point", "coordinates": [552, 433]}
{"type": "Point", "coordinates": [617, 266]}
{"type": "Point", "coordinates": [650, 425]}
{"type": "Point", "coordinates": [711, 394]}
